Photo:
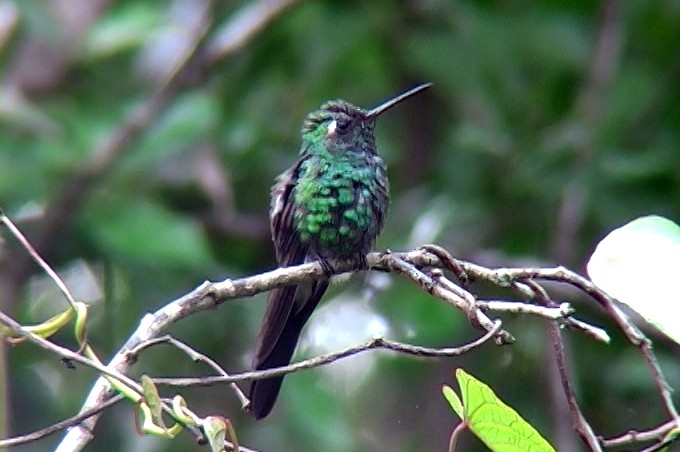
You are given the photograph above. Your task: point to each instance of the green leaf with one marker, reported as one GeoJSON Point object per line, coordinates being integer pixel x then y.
{"type": "Point", "coordinates": [215, 430]}
{"type": "Point", "coordinates": [139, 231]}
{"type": "Point", "coordinates": [496, 424]}
{"type": "Point", "coordinates": [153, 401]}
{"type": "Point", "coordinates": [455, 402]}
{"type": "Point", "coordinates": [637, 264]}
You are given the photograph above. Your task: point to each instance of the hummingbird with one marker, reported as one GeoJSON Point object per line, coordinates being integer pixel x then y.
{"type": "Point", "coordinates": [331, 204]}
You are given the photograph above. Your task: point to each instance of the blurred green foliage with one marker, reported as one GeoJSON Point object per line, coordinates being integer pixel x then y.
{"type": "Point", "coordinates": [548, 125]}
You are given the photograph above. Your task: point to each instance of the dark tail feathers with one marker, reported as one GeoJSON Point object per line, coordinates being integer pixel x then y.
{"type": "Point", "coordinates": [263, 393]}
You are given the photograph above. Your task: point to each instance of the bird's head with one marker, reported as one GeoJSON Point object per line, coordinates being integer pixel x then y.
{"type": "Point", "coordinates": [343, 127]}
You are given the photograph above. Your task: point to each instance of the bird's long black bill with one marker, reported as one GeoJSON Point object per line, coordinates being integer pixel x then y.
{"type": "Point", "coordinates": [380, 109]}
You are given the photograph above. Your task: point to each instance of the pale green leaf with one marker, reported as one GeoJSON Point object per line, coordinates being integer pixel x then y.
{"type": "Point", "coordinates": [638, 264]}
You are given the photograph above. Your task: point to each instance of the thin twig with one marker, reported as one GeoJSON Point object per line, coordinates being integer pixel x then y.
{"type": "Point", "coordinates": [661, 445]}
{"type": "Point", "coordinates": [376, 343]}
{"type": "Point", "coordinates": [196, 356]}
{"type": "Point", "coordinates": [66, 353]}
{"type": "Point", "coordinates": [560, 312]}
{"type": "Point", "coordinates": [632, 332]}
{"type": "Point", "coordinates": [440, 287]}
{"type": "Point", "coordinates": [38, 259]}
{"type": "Point", "coordinates": [61, 425]}
{"type": "Point", "coordinates": [579, 421]}
{"type": "Point", "coordinates": [73, 356]}
{"type": "Point", "coordinates": [643, 436]}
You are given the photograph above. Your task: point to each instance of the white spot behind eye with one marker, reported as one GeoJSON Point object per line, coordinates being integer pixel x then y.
{"type": "Point", "coordinates": [332, 126]}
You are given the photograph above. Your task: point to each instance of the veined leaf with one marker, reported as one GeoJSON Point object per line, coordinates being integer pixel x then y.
{"type": "Point", "coordinates": [496, 424]}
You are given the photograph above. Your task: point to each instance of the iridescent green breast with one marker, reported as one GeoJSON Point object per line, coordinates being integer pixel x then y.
{"type": "Point", "coordinates": [340, 204]}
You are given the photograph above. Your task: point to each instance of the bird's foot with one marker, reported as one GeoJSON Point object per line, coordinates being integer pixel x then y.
{"type": "Point", "coordinates": [327, 267]}
{"type": "Point", "coordinates": [356, 263]}
{"type": "Point", "coordinates": [361, 262]}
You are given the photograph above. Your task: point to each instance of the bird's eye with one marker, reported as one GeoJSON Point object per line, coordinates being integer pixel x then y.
{"type": "Point", "coordinates": [342, 124]}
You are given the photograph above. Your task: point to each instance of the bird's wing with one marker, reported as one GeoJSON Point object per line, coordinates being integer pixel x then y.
{"type": "Point", "coordinates": [289, 251]}
{"type": "Point", "coordinates": [289, 248]}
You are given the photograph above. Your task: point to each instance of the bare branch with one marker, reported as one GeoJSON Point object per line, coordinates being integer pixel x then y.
{"type": "Point", "coordinates": [376, 343]}
{"type": "Point", "coordinates": [437, 285]}
{"type": "Point", "coordinates": [59, 426]}
{"type": "Point", "coordinates": [655, 433]}
{"type": "Point", "coordinates": [562, 313]}
{"type": "Point", "coordinates": [209, 295]}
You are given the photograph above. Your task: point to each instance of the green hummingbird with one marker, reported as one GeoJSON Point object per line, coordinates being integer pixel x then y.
{"type": "Point", "coordinates": [331, 204]}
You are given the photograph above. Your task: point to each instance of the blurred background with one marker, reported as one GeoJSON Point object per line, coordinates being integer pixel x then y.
{"type": "Point", "coordinates": [548, 125]}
